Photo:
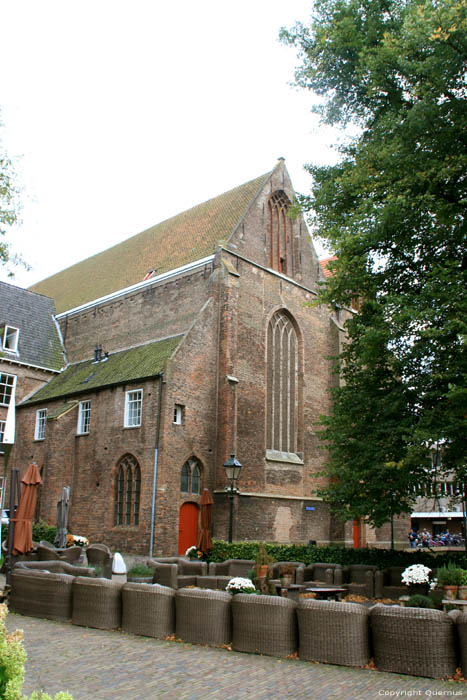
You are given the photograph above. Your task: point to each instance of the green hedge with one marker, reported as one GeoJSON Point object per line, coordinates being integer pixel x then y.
{"type": "Point", "coordinates": [40, 531]}
{"type": "Point", "coordinates": [382, 558]}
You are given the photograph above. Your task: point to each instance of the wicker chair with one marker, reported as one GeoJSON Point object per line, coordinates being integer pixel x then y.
{"type": "Point", "coordinates": [264, 624]}
{"type": "Point", "coordinates": [41, 594]}
{"type": "Point", "coordinates": [72, 554]}
{"type": "Point", "coordinates": [401, 637]}
{"type": "Point", "coordinates": [47, 554]}
{"type": "Point", "coordinates": [388, 583]}
{"type": "Point", "coordinates": [226, 570]}
{"type": "Point", "coordinates": [97, 602]}
{"type": "Point", "coordinates": [56, 567]}
{"type": "Point", "coordinates": [203, 616]}
{"type": "Point", "coordinates": [322, 572]}
{"type": "Point", "coordinates": [335, 633]}
{"type": "Point", "coordinates": [101, 556]}
{"type": "Point", "coordinates": [177, 575]}
{"type": "Point", "coordinates": [148, 610]}
{"type": "Point", "coordinates": [359, 579]}
{"type": "Point", "coordinates": [298, 567]}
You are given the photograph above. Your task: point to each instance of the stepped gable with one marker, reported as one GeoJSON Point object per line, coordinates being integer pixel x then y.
{"type": "Point", "coordinates": [180, 240]}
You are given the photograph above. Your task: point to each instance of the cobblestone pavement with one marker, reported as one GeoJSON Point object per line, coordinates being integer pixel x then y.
{"type": "Point", "coordinates": [103, 665]}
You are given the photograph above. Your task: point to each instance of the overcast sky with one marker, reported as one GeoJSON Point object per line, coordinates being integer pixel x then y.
{"type": "Point", "coordinates": [119, 115]}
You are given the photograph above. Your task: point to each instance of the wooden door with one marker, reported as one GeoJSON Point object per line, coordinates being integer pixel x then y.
{"type": "Point", "coordinates": [187, 527]}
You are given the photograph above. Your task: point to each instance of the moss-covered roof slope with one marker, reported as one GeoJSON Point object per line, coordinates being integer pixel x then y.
{"type": "Point", "coordinates": [120, 368]}
{"type": "Point", "coordinates": [184, 238]}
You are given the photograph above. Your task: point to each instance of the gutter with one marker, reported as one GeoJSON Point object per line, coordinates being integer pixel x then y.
{"type": "Point", "coordinates": [156, 459]}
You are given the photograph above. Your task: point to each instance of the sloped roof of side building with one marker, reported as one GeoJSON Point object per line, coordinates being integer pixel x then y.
{"type": "Point", "coordinates": [182, 239]}
{"type": "Point", "coordinates": [39, 342]}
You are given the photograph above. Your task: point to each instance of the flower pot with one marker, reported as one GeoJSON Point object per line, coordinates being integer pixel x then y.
{"type": "Point", "coordinates": [262, 571]}
{"type": "Point", "coordinates": [286, 581]}
{"type": "Point", "coordinates": [450, 592]}
{"type": "Point", "coordinates": [462, 593]}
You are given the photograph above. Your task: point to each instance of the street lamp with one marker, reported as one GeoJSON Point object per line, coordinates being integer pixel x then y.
{"type": "Point", "coordinates": [232, 470]}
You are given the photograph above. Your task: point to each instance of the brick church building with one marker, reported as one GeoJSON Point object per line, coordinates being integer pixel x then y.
{"type": "Point", "coordinates": [191, 341]}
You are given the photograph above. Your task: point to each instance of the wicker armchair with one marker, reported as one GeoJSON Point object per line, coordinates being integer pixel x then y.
{"type": "Point", "coordinates": [179, 574]}
{"type": "Point", "coordinates": [100, 555]}
{"type": "Point", "coordinates": [148, 610]}
{"type": "Point", "coordinates": [41, 594]}
{"type": "Point", "coordinates": [226, 570]}
{"type": "Point", "coordinates": [47, 554]}
{"type": "Point", "coordinates": [334, 633]}
{"type": "Point", "coordinates": [97, 602]}
{"type": "Point", "coordinates": [203, 616]}
{"type": "Point", "coordinates": [401, 637]}
{"type": "Point", "coordinates": [388, 583]}
{"type": "Point", "coordinates": [322, 572]}
{"type": "Point", "coordinates": [72, 554]}
{"type": "Point", "coordinates": [56, 567]}
{"type": "Point", "coordinates": [359, 579]}
{"type": "Point", "coordinates": [298, 567]}
{"type": "Point", "coordinates": [264, 624]}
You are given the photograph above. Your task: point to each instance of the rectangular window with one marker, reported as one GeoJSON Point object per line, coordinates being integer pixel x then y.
{"type": "Point", "coordinates": [7, 382]}
{"type": "Point", "coordinates": [41, 420]}
{"type": "Point", "coordinates": [133, 408]}
{"type": "Point", "coordinates": [84, 417]}
{"type": "Point", "coordinates": [10, 339]}
{"type": "Point", "coordinates": [178, 414]}
{"type": "Point", "coordinates": [2, 430]}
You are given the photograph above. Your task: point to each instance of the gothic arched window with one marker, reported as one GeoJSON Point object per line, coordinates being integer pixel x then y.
{"type": "Point", "coordinates": [191, 476]}
{"type": "Point", "coordinates": [281, 240]}
{"type": "Point", "coordinates": [284, 390]}
{"type": "Point", "coordinates": [128, 491]}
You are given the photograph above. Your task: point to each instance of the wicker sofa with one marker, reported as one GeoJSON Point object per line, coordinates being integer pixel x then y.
{"type": "Point", "coordinates": [203, 616]}
{"type": "Point", "coordinates": [97, 602]}
{"type": "Point", "coordinates": [330, 574]}
{"type": "Point", "coordinates": [177, 572]}
{"type": "Point", "coordinates": [148, 610]}
{"type": "Point", "coordinates": [264, 624]}
{"type": "Point", "coordinates": [359, 579]}
{"type": "Point", "coordinates": [41, 594]}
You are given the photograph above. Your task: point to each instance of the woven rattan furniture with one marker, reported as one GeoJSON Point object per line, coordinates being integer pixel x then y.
{"type": "Point", "coordinates": [148, 610]}
{"type": "Point", "coordinates": [359, 579]}
{"type": "Point", "coordinates": [47, 553]}
{"type": "Point", "coordinates": [264, 624]}
{"type": "Point", "coordinates": [203, 616]}
{"type": "Point", "coordinates": [56, 567]}
{"type": "Point", "coordinates": [97, 602]}
{"type": "Point", "coordinates": [100, 555]}
{"type": "Point", "coordinates": [72, 554]}
{"type": "Point", "coordinates": [322, 572]}
{"type": "Point", "coordinates": [226, 570]}
{"type": "Point", "coordinates": [335, 633]}
{"type": "Point", "coordinates": [41, 594]}
{"type": "Point", "coordinates": [179, 574]}
{"type": "Point", "coordinates": [416, 641]}
{"type": "Point", "coordinates": [297, 566]}
{"type": "Point", "coordinates": [388, 583]}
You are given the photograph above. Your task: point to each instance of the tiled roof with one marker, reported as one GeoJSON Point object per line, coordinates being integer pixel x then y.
{"type": "Point", "coordinates": [184, 238]}
{"type": "Point", "coordinates": [324, 265]}
{"type": "Point", "coordinates": [39, 342]}
{"type": "Point", "coordinates": [120, 368]}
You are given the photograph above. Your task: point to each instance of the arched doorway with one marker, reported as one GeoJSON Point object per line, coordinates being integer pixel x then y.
{"type": "Point", "coordinates": [187, 526]}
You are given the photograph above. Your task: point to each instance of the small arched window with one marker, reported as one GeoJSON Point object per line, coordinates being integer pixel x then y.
{"type": "Point", "coordinates": [128, 492]}
{"type": "Point", "coordinates": [191, 476]}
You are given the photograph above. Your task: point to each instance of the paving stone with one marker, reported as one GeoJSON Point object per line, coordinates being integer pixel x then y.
{"type": "Point", "coordinates": [110, 665]}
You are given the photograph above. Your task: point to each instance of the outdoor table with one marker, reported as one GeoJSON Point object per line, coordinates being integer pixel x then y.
{"type": "Point", "coordinates": [291, 591]}
{"type": "Point", "coordinates": [324, 593]}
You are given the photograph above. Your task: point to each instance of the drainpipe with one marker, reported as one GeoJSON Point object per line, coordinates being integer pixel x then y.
{"type": "Point", "coordinates": [156, 457]}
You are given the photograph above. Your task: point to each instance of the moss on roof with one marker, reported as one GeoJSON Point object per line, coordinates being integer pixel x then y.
{"type": "Point", "coordinates": [120, 368]}
{"type": "Point", "coordinates": [184, 238]}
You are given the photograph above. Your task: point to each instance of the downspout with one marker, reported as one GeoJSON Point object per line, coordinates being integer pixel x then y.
{"type": "Point", "coordinates": [156, 457]}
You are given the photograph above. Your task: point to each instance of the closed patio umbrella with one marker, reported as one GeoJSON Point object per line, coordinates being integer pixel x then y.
{"type": "Point", "coordinates": [62, 518]}
{"type": "Point", "coordinates": [22, 542]}
{"type": "Point", "coordinates": [204, 543]}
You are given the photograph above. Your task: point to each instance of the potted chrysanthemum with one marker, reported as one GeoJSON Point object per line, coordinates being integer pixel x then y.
{"type": "Point", "coordinates": [240, 585]}
{"type": "Point", "coordinates": [417, 577]}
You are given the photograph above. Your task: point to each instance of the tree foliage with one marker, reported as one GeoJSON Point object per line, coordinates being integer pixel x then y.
{"type": "Point", "coordinates": [393, 212]}
{"type": "Point", "coordinates": [9, 208]}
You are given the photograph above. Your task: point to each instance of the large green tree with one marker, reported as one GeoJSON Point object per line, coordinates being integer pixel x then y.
{"type": "Point", "coordinates": [9, 208]}
{"type": "Point", "coordinates": [393, 212]}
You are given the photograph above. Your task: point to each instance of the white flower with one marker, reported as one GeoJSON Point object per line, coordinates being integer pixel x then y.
{"type": "Point", "coordinates": [417, 573]}
{"type": "Point", "coordinates": [79, 539]}
{"type": "Point", "coordinates": [433, 584]}
{"type": "Point", "coordinates": [190, 549]}
{"type": "Point", "coordinates": [240, 585]}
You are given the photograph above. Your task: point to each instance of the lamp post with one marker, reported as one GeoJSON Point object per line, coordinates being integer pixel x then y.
{"type": "Point", "coordinates": [232, 470]}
